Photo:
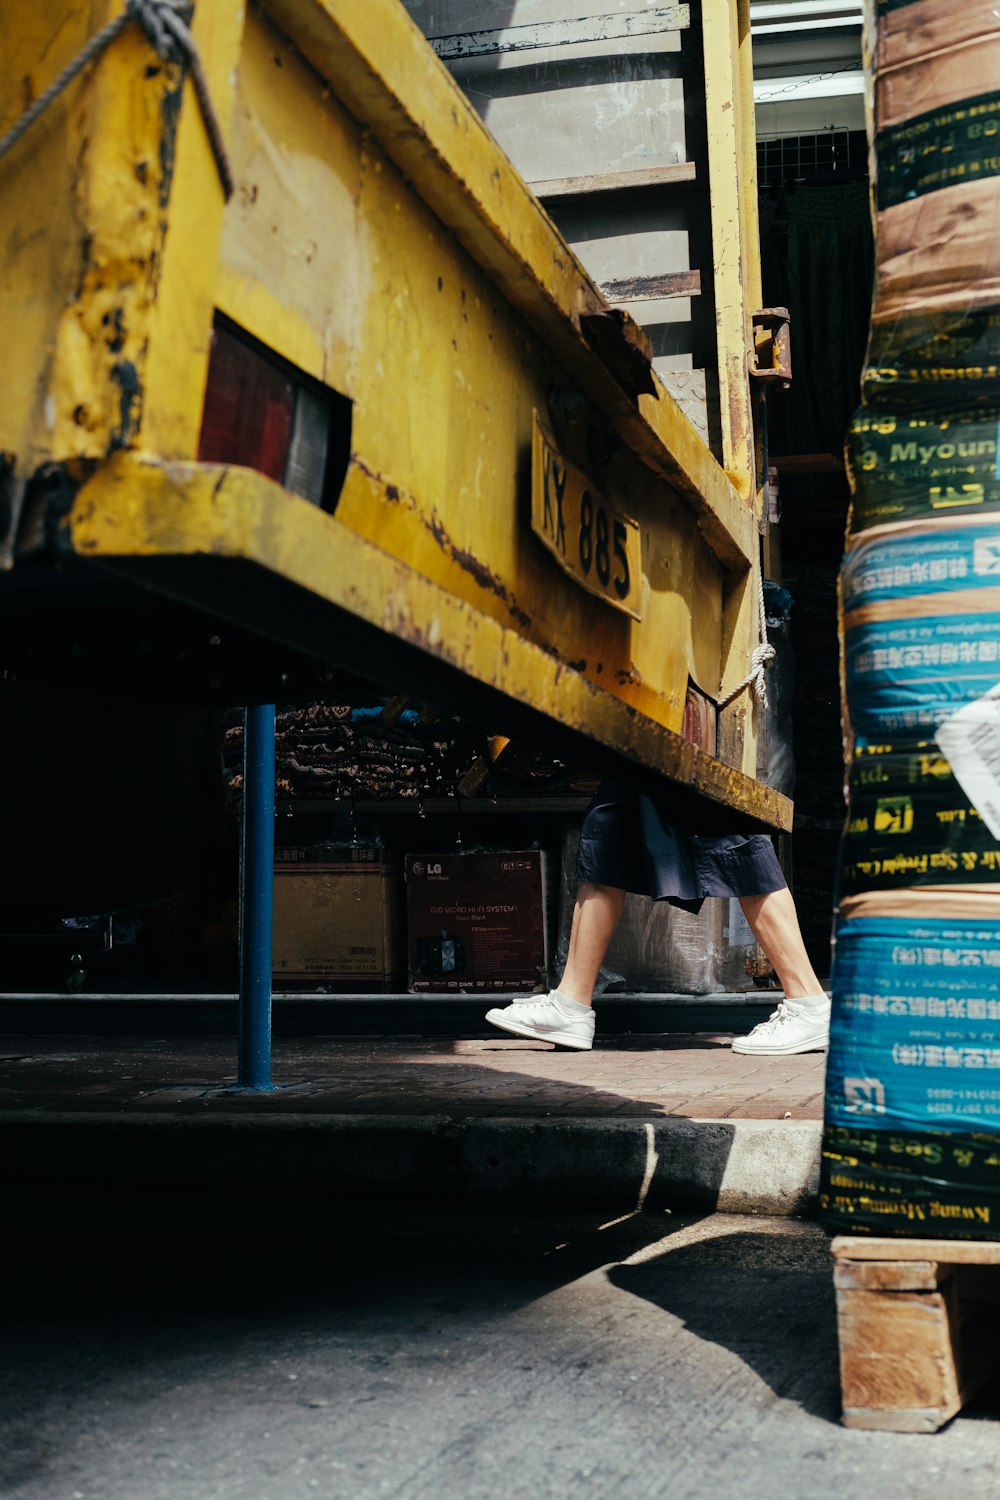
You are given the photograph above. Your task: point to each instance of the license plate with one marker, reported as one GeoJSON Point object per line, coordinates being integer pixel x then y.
{"type": "Point", "coordinates": [592, 541]}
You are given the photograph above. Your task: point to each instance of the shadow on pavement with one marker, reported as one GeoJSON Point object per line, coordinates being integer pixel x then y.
{"type": "Point", "coordinates": [768, 1298]}
{"type": "Point", "coordinates": [113, 1322]}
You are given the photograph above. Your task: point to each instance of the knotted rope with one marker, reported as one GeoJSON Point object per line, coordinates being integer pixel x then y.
{"type": "Point", "coordinates": [761, 658]}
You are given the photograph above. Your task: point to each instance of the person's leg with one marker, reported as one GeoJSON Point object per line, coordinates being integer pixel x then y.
{"type": "Point", "coordinates": [775, 925]}
{"type": "Point", "coordinates": [801, 1022]}
{"type": "Point", "coordinates": [595, 916]}
{"type": "Point", "coordinates": [565, 1015]}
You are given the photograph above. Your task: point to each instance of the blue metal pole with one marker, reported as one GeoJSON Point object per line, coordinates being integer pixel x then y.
{"type": "Point", "coordinates": [256, 885]}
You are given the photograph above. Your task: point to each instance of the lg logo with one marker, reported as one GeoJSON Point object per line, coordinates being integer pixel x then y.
{"type": "Point", "coordinates": [419, 868]}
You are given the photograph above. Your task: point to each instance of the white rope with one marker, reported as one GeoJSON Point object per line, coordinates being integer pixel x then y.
{"type": "Point", "coordinates": [164, 23]}
{"type": "Point", "coordinates": [761, 658]}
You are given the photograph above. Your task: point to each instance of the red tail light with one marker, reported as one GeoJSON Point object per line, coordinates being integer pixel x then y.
{"type": "Point", "coordinates": [261, 413]}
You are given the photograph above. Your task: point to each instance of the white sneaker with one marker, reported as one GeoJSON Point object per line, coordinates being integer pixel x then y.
{"type": "Point", "coordinates": [792, 1028]}
{"type": "Point", "coordinates": [547, 1018]}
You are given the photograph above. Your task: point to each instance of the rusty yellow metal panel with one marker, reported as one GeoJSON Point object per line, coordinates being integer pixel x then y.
{"type": "Point", "coordinates": [380, 241]}
{"type": "Point", "coordinates": [74, 245]}
{"type": "Point", "coordinates": [724, 87]}
{"type": "Point", "coordinates": [298, 158]}
{"type": "Point", "coordinates": [186, 293]}
{"type": "Point", "coordinates": [109, 315]}
{"type": "Point", "coordinates": [444, 382]}
{"type": "Point", "coordinates": [134, 509]}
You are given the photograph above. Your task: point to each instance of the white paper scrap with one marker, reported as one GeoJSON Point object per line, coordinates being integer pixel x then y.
{"type": "Point", "coordinates": [970, 741]}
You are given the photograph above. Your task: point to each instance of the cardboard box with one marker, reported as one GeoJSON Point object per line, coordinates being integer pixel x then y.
{"type": "Point", "coordinates": [477, 921]}
{"type": "Point", "coordinates": [336, 921]}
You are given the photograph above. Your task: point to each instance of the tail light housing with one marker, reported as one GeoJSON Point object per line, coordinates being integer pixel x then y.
{"type": "Point", "coordinates": [262, 413]}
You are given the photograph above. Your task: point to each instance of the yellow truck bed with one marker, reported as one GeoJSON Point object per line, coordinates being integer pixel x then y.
{"type": "Point", "coordinates": [523, 522]}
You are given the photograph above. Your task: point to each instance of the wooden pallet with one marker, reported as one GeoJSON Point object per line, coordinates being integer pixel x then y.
{"type": "Point", "coordinates": [917, 1325]}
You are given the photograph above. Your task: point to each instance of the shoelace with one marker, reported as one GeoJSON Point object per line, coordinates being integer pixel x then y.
{"type": "Point", "coordinates": [774, 1020]}
{"type": "Point", "coordinates": [532, 1004]}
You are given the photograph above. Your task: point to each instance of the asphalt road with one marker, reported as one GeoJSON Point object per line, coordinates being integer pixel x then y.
{"type": "Point", "coordinates": [384, 1353]}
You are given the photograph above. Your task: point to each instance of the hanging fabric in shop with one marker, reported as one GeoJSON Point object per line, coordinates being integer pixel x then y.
{"type": "Point", "coordinates": [830, 260]}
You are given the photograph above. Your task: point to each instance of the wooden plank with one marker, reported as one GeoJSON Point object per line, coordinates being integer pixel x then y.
{"type": "Point", "coordinates": [430, 806]}
{"type": "Point", "coordinates": [806, 463]}
{"type": "Point", "coordinates": [603, 28]}
{"type": "Point", "coordinates": [915, 1326]}
{"type": "Point", "coordinates": [976, 1282]}
{"type": "Point", "coordinates": [898, 1359]}
{"type": "Point", "coordinates": [670, 175]}
{"type": "Point", "coordinates": [888, 1275]}
{"type": "Point", "coordinates": [652, 288]}
{"type": "Point", "coordinates": [955, 1252]}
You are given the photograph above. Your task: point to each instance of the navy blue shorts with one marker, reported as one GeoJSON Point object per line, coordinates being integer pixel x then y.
{"type": "Point", "coordinates": [627, 841]}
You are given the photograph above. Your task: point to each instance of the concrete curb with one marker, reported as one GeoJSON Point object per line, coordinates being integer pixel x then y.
{"type": "Point", "coordinates": [734, 1166]}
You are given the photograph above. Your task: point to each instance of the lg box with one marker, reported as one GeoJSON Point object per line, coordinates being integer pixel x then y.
{"type": "Point", "coordinates": [477, 921]}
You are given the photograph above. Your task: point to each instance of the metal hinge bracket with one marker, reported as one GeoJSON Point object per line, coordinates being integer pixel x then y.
{"type": "Point", "coordinates": [771, 358]}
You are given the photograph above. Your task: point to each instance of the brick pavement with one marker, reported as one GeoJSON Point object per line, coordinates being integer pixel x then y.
{"type": "Point", "coordinates": [692, 1076]}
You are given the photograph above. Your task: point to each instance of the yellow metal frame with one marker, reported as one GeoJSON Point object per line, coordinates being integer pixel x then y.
{"type": "Point", "coordinates": [733, 198]}
{"type": "Point", "coordinates": [426, 283]}
{"type": "Point", "coordinates": [211, 512]}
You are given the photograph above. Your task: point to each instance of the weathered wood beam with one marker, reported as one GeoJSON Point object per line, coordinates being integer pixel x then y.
{"type": "Point", "coordinates": [652, 288]}
{"type": "Point", "coordinates": [604, 28]}
{"type": "Point", "coordinates": [671, 175]}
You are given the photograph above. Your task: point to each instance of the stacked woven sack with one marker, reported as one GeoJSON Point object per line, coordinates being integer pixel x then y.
{"type": "Point", "coordinates": [912, 1133]}
{"type": "Point", "coordinates": [345, 751]}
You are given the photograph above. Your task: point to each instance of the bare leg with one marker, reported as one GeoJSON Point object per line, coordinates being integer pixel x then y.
{"type": "Point", "coordinates": [775, 925]}
{"type": "Point", "coordinates": [595, 917]}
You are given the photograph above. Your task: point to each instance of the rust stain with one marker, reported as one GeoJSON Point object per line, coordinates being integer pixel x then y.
{"type": "Point", "coordinates": [126, 377]}
{"type": "Point", "coordinates": [171, 111]}
{"type": "Point", "coordinates": [486, 579]}
{"type": "Point", "coordinates": [736, 409]}
{"type": "Point", "coordinates": [115, 322]}
{"type": "Point", "coordinates": [477, 570]}
{"type": "Point", "coordinates": [466, 560]}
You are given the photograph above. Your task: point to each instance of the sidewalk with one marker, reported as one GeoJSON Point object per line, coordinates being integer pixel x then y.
{"type": "Point", "coordinates": [696, 1077]}
{"type": "Point", "coordinates": [643, 1119]}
